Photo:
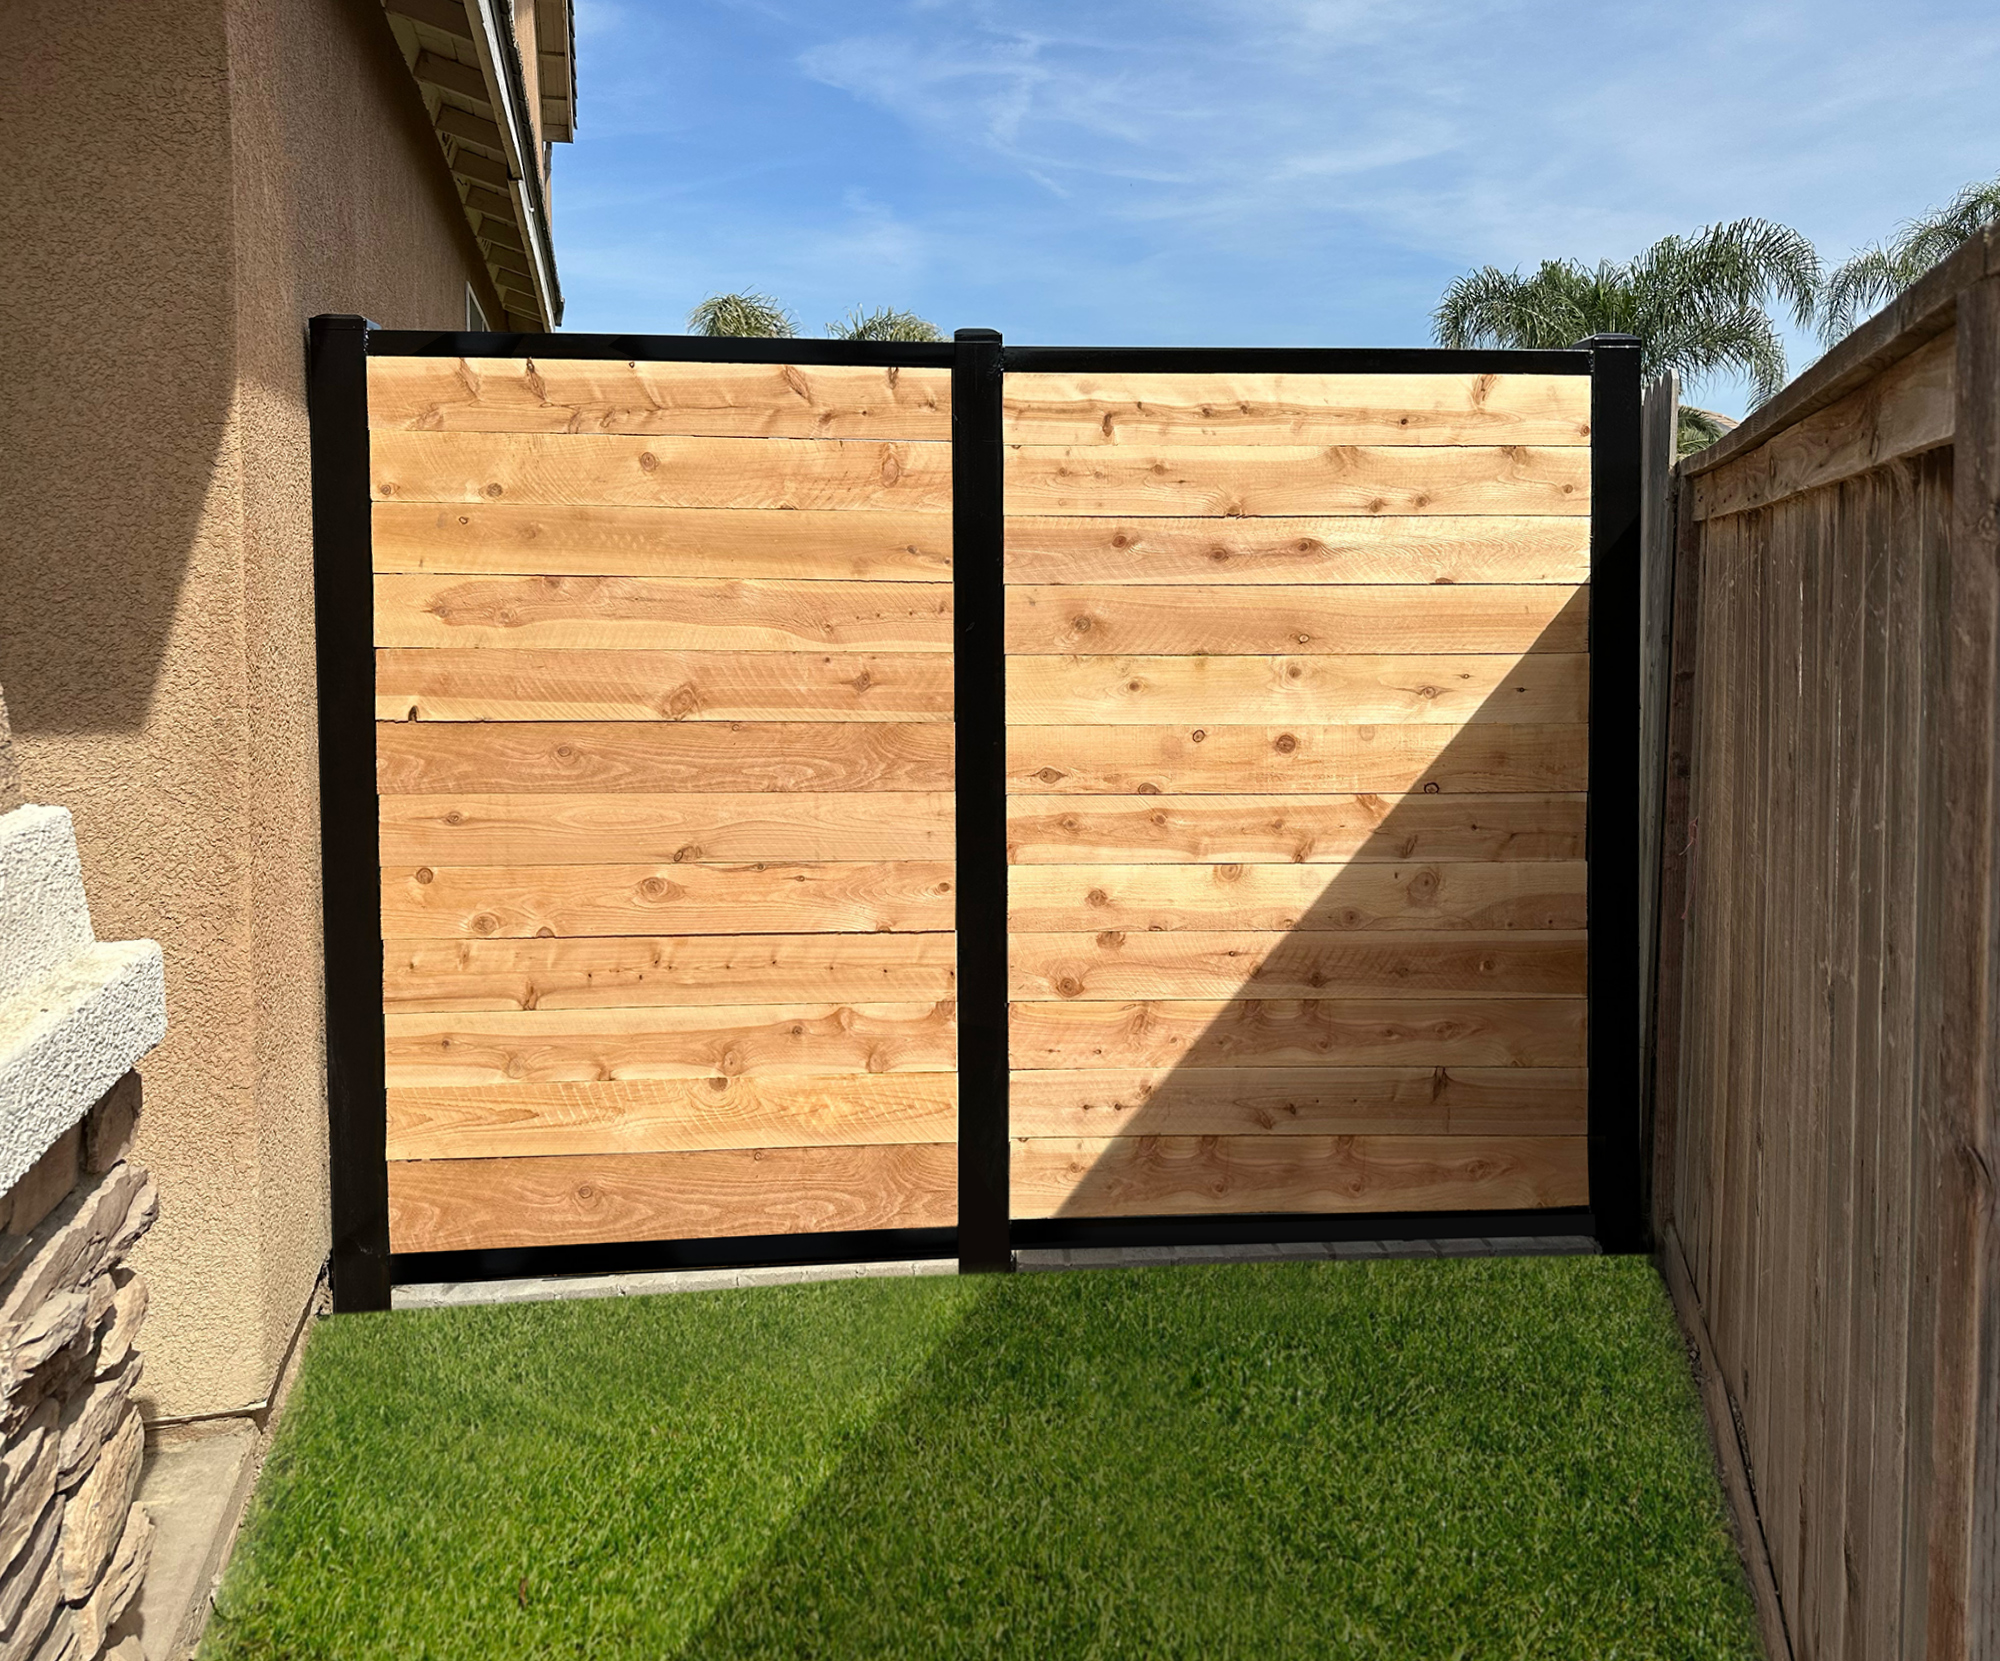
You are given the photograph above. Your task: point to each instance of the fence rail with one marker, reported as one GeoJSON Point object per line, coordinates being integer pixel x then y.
{"type": "Point", "coordinates": [1825, 1093]}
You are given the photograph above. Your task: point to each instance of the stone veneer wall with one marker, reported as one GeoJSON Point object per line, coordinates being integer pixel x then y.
{"type": "Point", "coordinates": [74, 1544]}
{"type": "Point", "coordinates": [75, 1014]}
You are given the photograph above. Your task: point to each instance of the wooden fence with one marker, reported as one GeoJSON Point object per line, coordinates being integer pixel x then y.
{"type": "Point", "coordinates": [788, 791]}
{"type": "Point", "coordinates": [1824, 1183]}
{"type": "Point", "coordinates": [663, 675]}
{"type": "Point", "coordinates": [1297, 759]}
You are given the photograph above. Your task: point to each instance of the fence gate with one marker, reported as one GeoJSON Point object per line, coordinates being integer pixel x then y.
{"type": "Point", "coordinates": [681, 698]}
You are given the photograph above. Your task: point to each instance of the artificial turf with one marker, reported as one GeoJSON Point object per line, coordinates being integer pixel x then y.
{"type": "Point", "coordinates": [1456, 1458]}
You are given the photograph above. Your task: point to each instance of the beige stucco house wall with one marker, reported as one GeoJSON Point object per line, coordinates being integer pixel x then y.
{"type": "Point", "coordinates": [186, 183]}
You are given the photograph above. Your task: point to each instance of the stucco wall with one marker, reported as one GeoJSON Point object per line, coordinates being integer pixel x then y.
{"type": "Point", "coordinates": [187, 184]}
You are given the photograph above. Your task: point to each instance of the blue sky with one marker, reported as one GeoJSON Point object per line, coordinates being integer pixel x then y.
{"type": "Point", "coordinates": [1229, 171]}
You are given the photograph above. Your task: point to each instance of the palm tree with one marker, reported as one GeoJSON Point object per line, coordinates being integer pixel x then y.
{"type": "Point", "coordinates": [1881, 271]}
{"type": "Point", "coordinates": [746, 315]}
{"type": "Point", "coordinates": [1697, 304]}
{"type": "Point", "coordinates": [885, 324]}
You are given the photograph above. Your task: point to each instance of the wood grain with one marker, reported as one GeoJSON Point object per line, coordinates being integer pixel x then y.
{"type": "Point", "coordinates": [1305, 964]}
{"type": "Point", "coordinates": [1276, 621]}
{"type": "Point", "coordinates": [473, 1204]}
{"type": "Point", "coordinates": [1142, 1176]}
{"type": "Point", "coordinates": [661, 614]}
{"type": "Point", "coordinates": [1542, 687]}
{"type": "Point", "coordinates": [1476, 895]}
{"type": "Point", "coordinates": [664, 1115]}
{"type": "Point", "coordinates": [569, 540]}
{"type": "Point", "coordinates": [721, 757]}
{"type": "Point", "coordinates": [1283, 1032]}
{"type": "Point", "coordinates": [557, 1046]}
{"type": "Point", "coordinates": [619, 828]}
{"type": "Point", "coordinates": [1294, 829]}
{"type": "Point", "coordinates": [1299, 1101]}
{"type": "Point", "coordinates": [1908, 409]}
{"type": "Point", "coordinates": [734, 400]}
{"type": "Point", "coordinates": [459, 684]}
{"type": "Point", "coordinates": [1164, 761]}
{"type": "Point", "coordinates": [594, 470]}
{"type": "Point", "coordinates": [491, 901]}
{"type": "Point", "coordinates": [1437, 549]}
{"type": "Point", "coordinates": [1158, 410]}
{"type": "Point", "coordinates": [1231, 481]}
{"type": "Point", "coordinates": [640, 971]}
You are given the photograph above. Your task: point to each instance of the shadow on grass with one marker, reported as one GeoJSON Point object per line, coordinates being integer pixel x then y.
{"type": "Point", "coordinates": [1395, 1459]}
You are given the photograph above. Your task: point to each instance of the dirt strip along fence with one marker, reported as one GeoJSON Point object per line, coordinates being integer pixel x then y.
{"type": "Point", "coordinates": [1825, 1095]}
{"type": "Point", "coordinates": [807, 798]}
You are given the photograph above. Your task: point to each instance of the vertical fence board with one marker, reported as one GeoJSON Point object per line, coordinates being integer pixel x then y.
{"type": "Point", "coordinates": [1826, 1078]}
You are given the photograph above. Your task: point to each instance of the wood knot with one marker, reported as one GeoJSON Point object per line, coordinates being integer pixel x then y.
{"type": "Point", "coordinates": [424, 873]}
{"type": "Point", "coordinates": [1284, 743]}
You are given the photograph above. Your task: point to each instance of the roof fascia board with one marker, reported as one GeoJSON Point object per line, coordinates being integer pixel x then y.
{"type": "Point", "coordinates": [500, 62]}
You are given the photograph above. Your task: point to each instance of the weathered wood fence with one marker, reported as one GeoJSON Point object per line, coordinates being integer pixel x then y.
{"type": "Point", "coordinates": [1826, 1102]}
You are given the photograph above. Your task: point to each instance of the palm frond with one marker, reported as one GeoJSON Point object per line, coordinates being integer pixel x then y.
{"type": "Point", "coordinates": [1876, 274]}
{"type": "Point", "coordinates": [1696, 303]}
{"type": "Point", "coordinates": [1698, 429]}
{"type": "Point", "coordinates": [746, 315]}
{"type": "Point", "coordinates": [884, 324]}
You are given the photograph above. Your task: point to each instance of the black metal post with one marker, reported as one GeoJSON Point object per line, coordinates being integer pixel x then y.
{"type": "Point", "coordinates": [1612, 881]}
{"type": "Point", "coordinates": [350, 836]}
{"type": "Point", "coordinates": [979, 680]}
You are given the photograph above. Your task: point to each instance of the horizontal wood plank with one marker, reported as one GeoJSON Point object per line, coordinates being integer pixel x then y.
{"type": "Point", "coordinates": [585, 395]}
{"type": "Point", "coordinates": [1437, 549]}
{"type": "Point", "coordinates": [661, 614]}
{"type": "Point", "coordinates": [1273, 621]}
{"type": "Point", "coordinates": [602, 470]}
{"type": "Point", "coordinates": [580, 541]}
{"type": "Point", "coordinates": [1297, 1032]}
{"type": "Point", "coordinates": [1232, 481]}
{"type": "Point", "coordinates": [718, 757]}
{"type": "Point", "coordinates": [1144, 1176]}
{"type": "Point", "coordinates": [515, 901]}
{"type": "Point", "coordinates": [531, 829]}
{"type": "Point", "coordinates": [1540, 687]}
{"type": "Point", "coordinates": [1163, 410]}
{"type": "Point", "coordinates": [1282, 830]}
{"type": "Point", "coordinates": [1525, 894]}
{"type": "Point", "coordinates": [1164, 761]}
{"type": "Point", "coordinates": [1304, 964]}
{"type": "Point", "coordinates": [664, 1115]}
{"type": "Point", "coordinates": [1299, 1101]}
{"type": "Point", "coordinates": [558, 1046]}
{"type": "Point", "coordinates": [639, 971]}
{"type": "Point", "coordinates": [478, 684]}
{"type": "Point", "coordinates": [476, 1204]}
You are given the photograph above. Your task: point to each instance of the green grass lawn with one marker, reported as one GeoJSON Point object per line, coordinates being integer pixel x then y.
{"type": "Point", "coordinates": [1429, 1458]}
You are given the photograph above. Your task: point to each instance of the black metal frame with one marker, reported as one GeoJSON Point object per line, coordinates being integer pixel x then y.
{"type": "Point", "coordinates": [979, 683]}
{"type": "Point", "coordinates": [1612, 880]}
{"type": "Point", "coordinates": [363, 1267]}
{"type": "Point", "coordinates": [350, 827]}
